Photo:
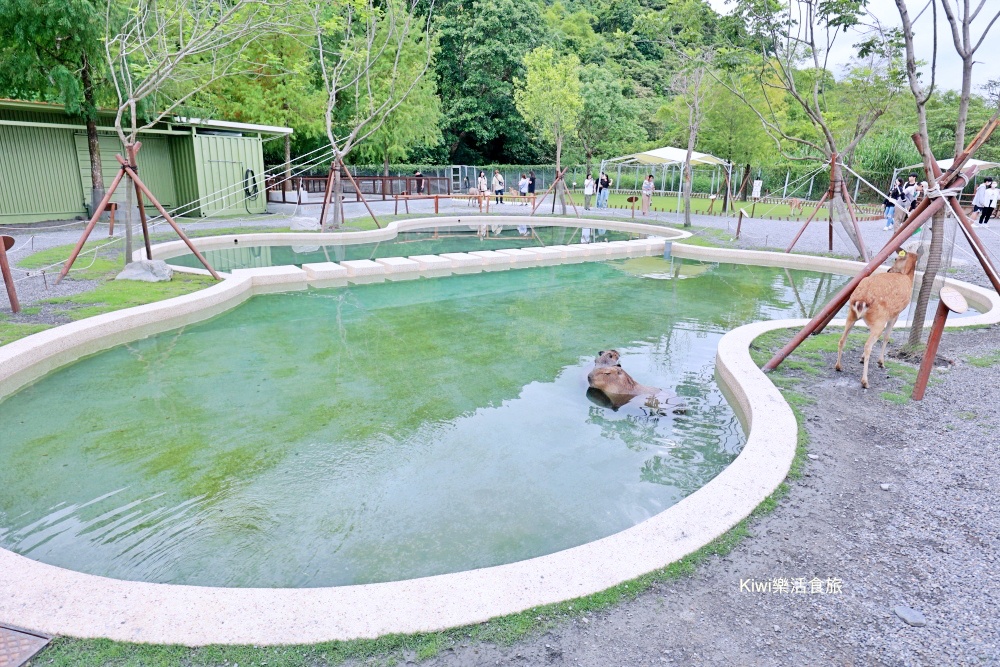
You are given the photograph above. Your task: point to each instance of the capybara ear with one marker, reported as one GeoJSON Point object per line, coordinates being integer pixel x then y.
{"type": "Point", "coordinates": [601, 353]}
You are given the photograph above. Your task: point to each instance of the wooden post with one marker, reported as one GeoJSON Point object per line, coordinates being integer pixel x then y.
{"type": "Point", "coordinates": [326, 198]}
{"type": "Point", "coordinates": [739, 223]}
{"type": "Point", "coordinates": [631, 200]}
{"type": "Point", "coordinates": [357, 188]}
{"type": "Point", "coordinates": [831, 308]}
{"type": "Point", "coordinates": [808, 220]}
{"type": "Point", "coordinates": [90, 226]}
{"type": "Point", "coordinates": [6, 243]}
{"type": "Point", "coordinates": [854, 219]}
{"type": "Point", "coordinates": [829, 230]}
{"type": "Point", "coordinates": [112, 207]}
{"type": "Point", "coordinates": [166, 216]}
{"type": "Point", "coordinates": [131, 151]}
{"type": "Point", "coordinates": [951, 301]}
{"type": "Point", "coordinates": [435, 204]}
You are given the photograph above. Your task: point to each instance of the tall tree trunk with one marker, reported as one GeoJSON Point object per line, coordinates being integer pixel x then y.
{"type": "Point", "coordinates": [288, 163]}
{"type": "Point", "coordinates": [838, 207]}
{"type": "Point", "coordinates": [129, 205]}
{"type": "Point", "coordinates": [385, 166]}
{"type": "Point", "coordinates": [561, 185]}
{"type": "Point", "coordinates": [338, 195]}
{"type": "Point", "coordinates": [927, 282]}
{"type": "Point", "coordinates": [93, 142]}
{"type": "Point", "coordinates": [689, 173]}
{"type": "Point", "coordinates": [743, 195]}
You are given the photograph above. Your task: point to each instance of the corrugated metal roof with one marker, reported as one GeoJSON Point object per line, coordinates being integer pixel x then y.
{"type": "Point", "coordinates": [176, 120]}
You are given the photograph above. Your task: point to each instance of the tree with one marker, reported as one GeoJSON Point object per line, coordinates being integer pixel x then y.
{"type": "Point", "coordinates": [732, 131]}
{"type": "Point", "coordinates": [161, 53]}
{"type": "Point", "coordinates": [51, 50]}
{"type": "Point", "coordinates": [549, 99]}
{"type": "Point", "coordinates": [960, 18]}
{"type": "Point", "coordinates": [416, 122]}
{"type": "Point", "coordinates": [370, 61]}
{"type": "Point", "coordinates": [606, 123]}
{"type": "Point", "coordinates": [786, 49]}
{"type": "Point", "coordinates": [691, 84]}
{"type": "Point", "coordinates": [485, 42]}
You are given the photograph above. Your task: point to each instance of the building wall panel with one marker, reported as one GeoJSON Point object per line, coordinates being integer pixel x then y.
{"type": "Point", "coordinates": [222, 162]}
{"type": "Point", "coordinates": [39, 175]}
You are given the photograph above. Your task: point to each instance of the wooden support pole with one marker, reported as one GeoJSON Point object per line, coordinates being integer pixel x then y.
{"type": "Point", "coordinates": [131, 151]}
{"type": "Point", "coordinates": [739, 223]}
{"type": "Point", "coordinates": [808, 220]}
{"type": "Point", "coordinates": [326, 198]}
{"type": "Point", "coordinates": [854, 220]}
{"type": "Point", "coordinates": [90, 225]}
{"type": "Point", "coordinates": [546, 193]}
{"type": "Point", "coordinates": [357, 189]}
{"type": "Point", "coordinates": [166, 216]}
{"type": "Point", "coordinates": [831, 308]}
{"type": "Point", "coordinates": [6, 243]}
{"type": "Point", "coordinates": [950, 301]}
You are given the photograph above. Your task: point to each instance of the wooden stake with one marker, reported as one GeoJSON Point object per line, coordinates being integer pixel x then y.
{"type": "Point", "coordinates": [90, 225]}
{"type": "Point", "coordinates": [166, 216]}
{"type": "Point", "coordinates": [6, 243]}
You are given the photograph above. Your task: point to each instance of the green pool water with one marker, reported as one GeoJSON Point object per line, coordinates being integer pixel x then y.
{"type": "Point", "coordinates": [406, 244]}
{"type": "Point", "coordinates": [384, 431]}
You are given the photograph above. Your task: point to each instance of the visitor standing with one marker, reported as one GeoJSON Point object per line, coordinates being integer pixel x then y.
{"type": "Point", "coordinates": [531, 182]}
{"type": "Point", "coordinates": [603, 185]}
{"type": "Point", "coordinates": [992, 195]}
{"type": "Point", "coordinates": [979, 199]}
{"type": "Point", "coordinates": [910, 192]}
{"type": "Point", "coordinates": [498, 185]}
{"type": "Point", "coordinates": [420, 181]}
{"type": "Point", "coordinates": [481, 184]}
{"type": "Point", "coordinates": [895, 195]}
{"type": "Point", "coordinates": [647, 194]}
{"type": "Point", "coordinates": [522, 188]}
{"type": "Point", "coordinates": [588, 191]}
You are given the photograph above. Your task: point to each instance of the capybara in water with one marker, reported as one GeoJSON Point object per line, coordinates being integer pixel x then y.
{"type": "Point", "coordinates": [607, 358]}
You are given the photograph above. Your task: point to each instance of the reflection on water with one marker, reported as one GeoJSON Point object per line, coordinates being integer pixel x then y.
{"type": "Point", "coordinates": [383, 431]}
{"type": "Point", "coordinates": [406, 244]}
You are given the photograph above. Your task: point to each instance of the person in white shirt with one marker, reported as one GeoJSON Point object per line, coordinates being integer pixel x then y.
{"type": "Point", "coordinates": [992, 195]}
{"type": "Point", "coordinates": [588, 191]}
{"type": "Point", "coordinates": [979, 199]}
{"type": "Point", "coordinates": [498, 185]}
{"type": "Point", "coordinates": [647, 194]}
{"type": "Point", "coordinates": [522, 188]}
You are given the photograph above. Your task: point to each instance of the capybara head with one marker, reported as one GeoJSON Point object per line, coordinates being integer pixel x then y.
{"type": "Point", "coordinates": [606, 358]}
{"type": "Point", "coordinates": [612, 380]}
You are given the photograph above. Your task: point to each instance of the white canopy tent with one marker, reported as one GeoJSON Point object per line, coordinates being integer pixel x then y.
{"type": "Point", "coordinates": [672, 159]}
{"type": "Point", "coordinates": [946, 164]}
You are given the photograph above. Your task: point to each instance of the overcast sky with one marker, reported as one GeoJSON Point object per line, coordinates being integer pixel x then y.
{"type": "Point", "coordinates": [949, 64]}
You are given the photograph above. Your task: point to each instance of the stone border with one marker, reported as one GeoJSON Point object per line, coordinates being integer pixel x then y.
{"type": "Point", "coordinates": [171, 249]}
{"type": "Point", "coordinates": [59, 601]}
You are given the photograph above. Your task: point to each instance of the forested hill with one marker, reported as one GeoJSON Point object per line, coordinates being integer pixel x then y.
{"type": "Point", "coordinates": [630, 62]}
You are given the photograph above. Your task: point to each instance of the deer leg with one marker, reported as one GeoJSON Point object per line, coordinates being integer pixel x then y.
{"type": "Point", "coordinates": [851, 319]}
{"type": "Point", "coordinates": [876, 331]}
{"type": "Point", "coordinates": [885, 340]}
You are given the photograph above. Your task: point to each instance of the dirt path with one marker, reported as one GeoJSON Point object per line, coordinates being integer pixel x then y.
{"type": "Point", "coordinates": [931, 542]}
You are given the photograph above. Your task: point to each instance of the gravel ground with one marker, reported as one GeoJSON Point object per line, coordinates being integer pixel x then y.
{"type": "Point", "coordinates": [929, 542]}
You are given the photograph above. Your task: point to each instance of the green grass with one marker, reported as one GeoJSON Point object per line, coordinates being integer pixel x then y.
{"type": "Point", "coordinates": [11, 331]}
{"type": "Point", "coordinates": [118, 294]}
{"type": "Point", "coordinates": [109, 295]}
{"type": "Point", "coordinates": [984, 361]}
{"type": "Point", "coordinates": [700, 206]}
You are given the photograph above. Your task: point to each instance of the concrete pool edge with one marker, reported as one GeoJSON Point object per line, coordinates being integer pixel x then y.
{"type": "Point", "coordinates": [58, 601]}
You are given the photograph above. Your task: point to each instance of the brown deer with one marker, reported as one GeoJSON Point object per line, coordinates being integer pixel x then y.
{"type": "Point", "coordinates": [879, 299]}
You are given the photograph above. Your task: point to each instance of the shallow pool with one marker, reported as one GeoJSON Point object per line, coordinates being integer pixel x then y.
{"type": "Point", "coordinates": [384, 431]}
{"type": "Point", "coordinates": [462, 238]}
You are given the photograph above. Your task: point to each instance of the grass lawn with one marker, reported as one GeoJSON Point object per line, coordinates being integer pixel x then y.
{"type": "Point", "coordinates": [107, 296]}
{"type": "Point", "coordinates": [698, 205]}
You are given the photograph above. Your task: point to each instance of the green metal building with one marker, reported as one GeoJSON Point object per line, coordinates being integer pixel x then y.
{"type": "Point", "coordinates": [196, 167]}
